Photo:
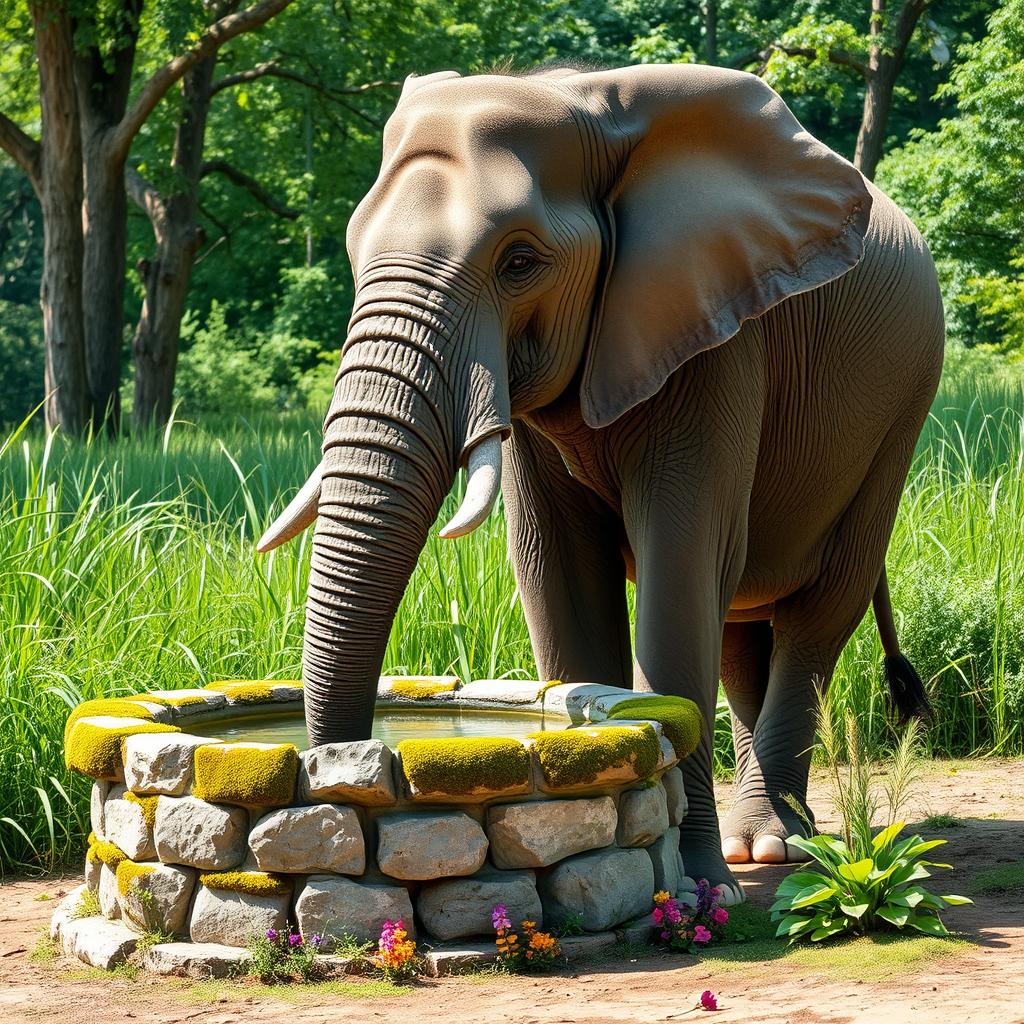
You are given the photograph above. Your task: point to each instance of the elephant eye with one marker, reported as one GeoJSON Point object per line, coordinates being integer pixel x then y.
{"type": "Point", "coordinates": [519, 264]}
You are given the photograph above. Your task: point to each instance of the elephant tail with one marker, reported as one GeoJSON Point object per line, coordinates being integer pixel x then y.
{"type": "Point", "coordinates": [905, 686]}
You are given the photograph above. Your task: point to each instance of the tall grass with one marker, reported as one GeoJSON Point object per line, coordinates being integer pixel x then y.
{"type": "Point", "coordinates": [128, 566]}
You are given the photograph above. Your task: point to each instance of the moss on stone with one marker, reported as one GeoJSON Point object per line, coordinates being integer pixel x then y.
{"type": "Point", "coordinates": [421, 689]}
{"type": "Point", "coordinates": [252, 883]}
{"type": "Point", "coordinates": [680, 719]}
{"type": "Point", "coordinates": [147, 804]}
{"type": "Point", "coordinates": [575, 757]}
{"type": "Point", "coordinates": [107, 853]}
{"type": "Point", "coordinates": [460, 765]}
{"type": "Point", "coordinates": [129, 872]}
{"type": "Point", "coordinates": [119, 707]}
{"type": "Point", "coordinates": [251, 774]}
{"type": "Point", "coordinates": [94, 748]}
{"type": "Point", "coordinates": [253, 691]}
{"type": "Point", "coordinates": [171, 701]}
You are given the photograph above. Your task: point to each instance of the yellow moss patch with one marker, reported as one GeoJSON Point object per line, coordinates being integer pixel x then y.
{"type": "Point", "coordinates": [147, 804]}
{"type": "Point", "coordinates": [188, 700]}
{"type": "Point", "coordinates": [107, 853]}
{"type": "Point", "coordinates": [422, 689]}
{"type": "Point", "coordinates": [576, 757]}
{"type": "Point", "coordinates": [251, 774]}
{"type": "Point", "coordinates": [253, 691]}
{"type": "Point", "coordinates": [128, 873]}
{"type": "Point", "coordinates": [252, 883]}
{"type": "Point", "coordinates": [93, 746]}
{"type": "Point", "coordinates": [680, 719]}
{"type": "Point", "coordinates": [119, 707]}
{"type": "Point", "coordinates": [460, 765]}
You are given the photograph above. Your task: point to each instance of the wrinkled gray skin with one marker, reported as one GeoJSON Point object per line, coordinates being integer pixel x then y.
{"type": "Point", "coordinates": [709, 347]}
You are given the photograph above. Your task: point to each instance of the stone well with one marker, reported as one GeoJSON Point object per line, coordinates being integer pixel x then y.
{"type": "Point", "coordinates": [212, 841]}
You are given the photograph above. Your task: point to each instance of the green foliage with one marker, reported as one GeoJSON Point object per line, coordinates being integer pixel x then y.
{"type": "Point", "coordinates": [273, 959]}
{"type": "Point", "coordinates": [865, 879]}
{"type": "Point", "coordinates": [88, 905]}
{"type": "Point", "coordinates": [963, 181]}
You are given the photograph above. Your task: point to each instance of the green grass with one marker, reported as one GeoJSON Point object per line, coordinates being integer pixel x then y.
{"type": "Point", "coordinates": [130, 565]}
{"type": "Point", "coordinates": [1002, 879]}
{"type": "Point", "coordinates": [941, 821]}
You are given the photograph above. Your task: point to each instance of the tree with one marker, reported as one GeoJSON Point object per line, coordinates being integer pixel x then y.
{"type": "Point", "coordinates": [963, 183]}
{"type": "Point", "coordinates": [86, 57]}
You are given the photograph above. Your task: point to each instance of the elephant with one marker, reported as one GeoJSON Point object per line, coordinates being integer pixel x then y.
{"type": "Point", "coordinates": [690, 345]}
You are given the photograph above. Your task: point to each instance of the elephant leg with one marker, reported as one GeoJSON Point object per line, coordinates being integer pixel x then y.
{"type": "Point", "coordinates": [810, 628]}
{"type": "Point", "coordinates": [566, 548]}
{"type": "Point", "coordinates": [746, 661]}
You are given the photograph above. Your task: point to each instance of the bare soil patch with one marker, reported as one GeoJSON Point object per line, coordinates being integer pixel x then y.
{"type": "Point", "coordinates": [980, 979]}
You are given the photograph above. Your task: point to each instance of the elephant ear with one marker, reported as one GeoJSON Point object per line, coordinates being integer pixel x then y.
{"type": "Point", "coordinates": [720, 205]}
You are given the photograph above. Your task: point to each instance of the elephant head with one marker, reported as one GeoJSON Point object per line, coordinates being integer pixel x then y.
{"type": "Point", "coordinates": [529, 238]}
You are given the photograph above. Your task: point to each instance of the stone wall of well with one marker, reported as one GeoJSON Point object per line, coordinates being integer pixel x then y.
{"type": "Point", "coordinates": [212, 842]}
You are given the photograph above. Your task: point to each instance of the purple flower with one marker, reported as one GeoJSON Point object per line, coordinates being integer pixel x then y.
{"type": "Point", "coordinates": [315, 940]}
{"type": "Point", "coordinates": [294, 940]}
{"type": "Point", "coordinates": [499, 917]}
{"type": "Point", "coordinates": [272, 934]}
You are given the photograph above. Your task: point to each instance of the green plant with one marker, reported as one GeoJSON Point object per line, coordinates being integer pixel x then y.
{"type": "Point", "coordinates": [865, 879]}
{"type": "Point", "coordinates": [88, 905]}
{"type": "Point", "coordinates": [1004, 878]}
{"type": "Point", "coordinates": [571, 924]}
{"type": "Point", "coordinates": [942, 821]}
{"type": "Point", "coordinates": [281, 956]}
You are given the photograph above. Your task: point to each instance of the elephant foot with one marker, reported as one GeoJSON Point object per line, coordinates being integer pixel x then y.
{"type": "Point", "coordinates": [757, 829]}
{"type": "Point", "coordinates": [704, 860]}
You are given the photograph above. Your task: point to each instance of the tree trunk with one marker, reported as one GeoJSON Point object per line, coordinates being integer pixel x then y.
{"type": "Point", "coordinates": [711, 31]}
{"type": "Point", "coordinates": [104, 83]}
{"type": "Point", "coordinates": [885, 62]}
{"type": "Point", "coordinates": [60, 196]}
{"type": "Point", "coordinates": [179, 237]}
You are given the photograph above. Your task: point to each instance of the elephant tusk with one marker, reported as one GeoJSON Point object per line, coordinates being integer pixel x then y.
{"type": "Point", "coordinates": [484, 469]}
{"type": "Point", "coordinates": [301, 511]}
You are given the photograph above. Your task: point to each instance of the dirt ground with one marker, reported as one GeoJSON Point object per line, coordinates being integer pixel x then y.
{"type": "Point", "coordinates": [980, 979]}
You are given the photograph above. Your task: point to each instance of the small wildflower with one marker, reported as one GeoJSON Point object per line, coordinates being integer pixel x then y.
{"type": "Point", "coordinates": [701, 935]}
{"type": "Point", "coordinates": [661, 896]}
{"type": "Point", "coordinates": [708, 1000]}
{"type": "Point", "coordinates": [720, 915]}
{"type": "Point", "coordinates": [499, 917]}
{"type": "Point", "coordinates": [272, 934]}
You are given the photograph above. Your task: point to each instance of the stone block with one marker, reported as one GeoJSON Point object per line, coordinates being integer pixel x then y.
{"type": "Point", "coordinates": [668, 862]}
{"type": "Point", "coordinates": [155, 897]}
{"type": "Point", "coordinates": [198, 960]}
{"type": "Point", "coordinates": [97, 796]}
{"type": "Point", "coordinates": [336, 907]}
{"type": "Point", "coordinates": [188, 702]}
{"type": "Point", "coordinates": [307, 840]}
{"type": "Point", "coordinates": [62, 912]}
{"type": "Point", "coordinates": [643, 816]}
{"type": "Point", "coordinates": [538, 833]}
{"type": "Point", "coordinates": [415, 846]}
{"type": "Point", "coordinates": [93, 871]}
{"type": "Point", "coordinates": [231, 918]}
{"type": "Point", "coordinates": [126, 827]}
{"type": "Point", "coordinates": [109, 897]}
{"type": "Point", "coordinates": [161, 764]}
{"type": "Point", "coordinates": [458, 958]}
{"type": "Point", "coordinates": [98, 942]}
{"type": "Point", "coordinates": [202, 835]}
{"type": "Point", "coordinates": [605, 887]}
{"type": "Point", "coordinates": [459, 907]}
{"type": "Point", "coordinates": [356, 773]}
{"type": "Point", "coordinates": [675, 796]}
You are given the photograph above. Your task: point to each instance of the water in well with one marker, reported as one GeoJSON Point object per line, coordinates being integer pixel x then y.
{"type": "Point", "coordinates": [391, 725]}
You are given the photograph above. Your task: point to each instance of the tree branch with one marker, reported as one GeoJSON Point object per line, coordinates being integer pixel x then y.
{"type": "Point", "coordinates": [145, 195]}
{"type": "Point", "coordinates": [21, 148]}
{"type": "Point", "coordinates": [251, 185]}
{"type": "Point", "coordinates": [841, 57]}
{"type": "Point", "coordinates": [164, 77]}
{"type": "Point", "coordinates": [276, 71]}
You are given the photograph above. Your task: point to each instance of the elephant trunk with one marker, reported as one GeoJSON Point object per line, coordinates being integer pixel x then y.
{"type": "Point", "coordinates": [401, 421]}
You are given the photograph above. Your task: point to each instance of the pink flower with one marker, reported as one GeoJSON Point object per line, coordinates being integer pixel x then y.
{"type": "Point", "coordinates": [673, 914]}
{"type": "Point", "coordinates": [657, 915]}
{"type": "Point", "coordinates": [720, 915]}
{"type": "Point", "coordinates": [701, 934]}
{"type": "Point", "coordinates": [294, 940]}
{"type": "Point", "coordinates": [499, 917]}
{"type": "Point", "coordinates": [708, 1000]}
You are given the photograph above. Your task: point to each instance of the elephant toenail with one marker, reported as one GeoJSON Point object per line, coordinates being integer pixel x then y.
{"type": "Point", "coordinates": [735, 850]}
{"type": "Point", "coordinates": [769, 850]}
